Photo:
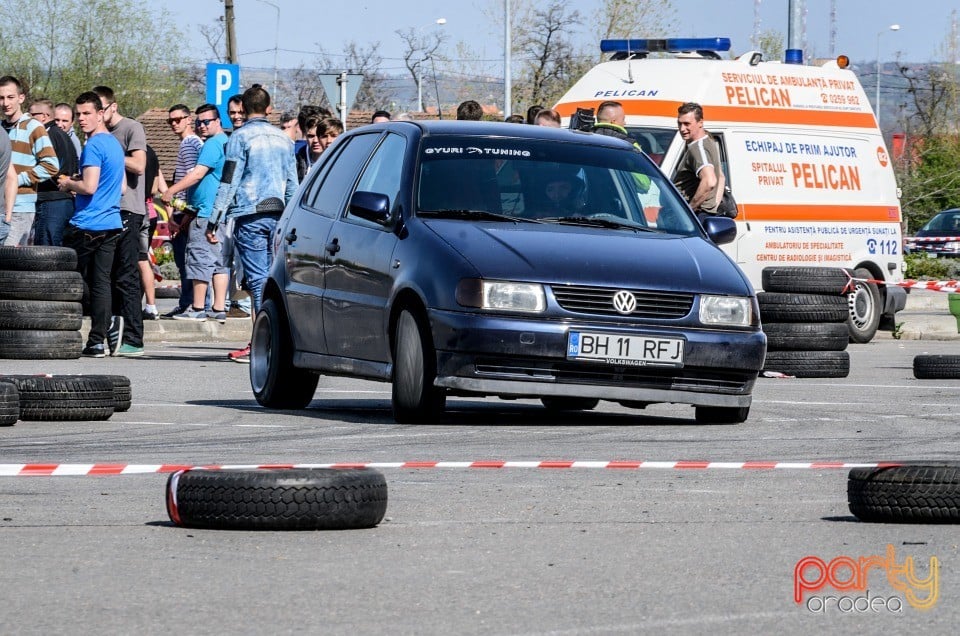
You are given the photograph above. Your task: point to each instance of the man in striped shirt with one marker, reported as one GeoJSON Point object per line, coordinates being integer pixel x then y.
{"type": "Point", "coordinates": [32, 155]}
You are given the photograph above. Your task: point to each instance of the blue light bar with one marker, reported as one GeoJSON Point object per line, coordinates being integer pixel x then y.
{"type": "Point", "coordinates": [670, 45]}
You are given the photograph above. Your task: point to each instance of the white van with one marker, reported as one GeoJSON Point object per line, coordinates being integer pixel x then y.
{"type": "Point", "coordinates": [801, 152]}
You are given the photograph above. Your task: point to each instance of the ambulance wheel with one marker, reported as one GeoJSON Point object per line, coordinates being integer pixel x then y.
{"type": "Point", "coordinates": [865, 307]}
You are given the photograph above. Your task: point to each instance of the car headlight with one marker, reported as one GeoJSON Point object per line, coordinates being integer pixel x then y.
{"type": "Point", "coordinates": [732, 311]}
{"type": "Point", "coordinates": [501, 295]}
{"type": "Point", "coordinates": [951, 246]}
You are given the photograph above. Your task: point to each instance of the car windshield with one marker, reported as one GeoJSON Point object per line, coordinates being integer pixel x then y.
{"type": "Point", "coordinates": [549, 182]}
{"type": "Point", "coordinates": [653, 141]}
{"type": "Point", "coordinates": [944, 222]}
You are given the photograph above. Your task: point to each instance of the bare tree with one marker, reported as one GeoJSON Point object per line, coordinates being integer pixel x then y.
{"type": "Point", "coordinates": [418, 48]}
{"type": "Point", "coordinates": [549, 60]}
{"type": "Point", "coordinates": [375, 91]}
{"type": "Point", "coordinates": [214, 34]}
{"type": "Point", "coordinates": [635, 19]}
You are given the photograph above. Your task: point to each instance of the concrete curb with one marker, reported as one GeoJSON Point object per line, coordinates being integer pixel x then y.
{"type": "Point", "coordinates": [234, 330]}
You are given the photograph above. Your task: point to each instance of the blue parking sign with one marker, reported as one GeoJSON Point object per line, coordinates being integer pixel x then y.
{"type": "Point", "coordinates": [223, 82]}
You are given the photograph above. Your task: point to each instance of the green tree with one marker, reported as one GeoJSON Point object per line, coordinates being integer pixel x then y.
{"type": "Point", "coordinates": [622, 19]}
{"type": "Point", "coordinates": [771, 44]}
{"type": "Point", "coordinates": [65, 47]}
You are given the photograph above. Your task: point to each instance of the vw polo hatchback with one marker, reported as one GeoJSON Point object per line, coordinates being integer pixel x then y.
{"type": "Point", "coordinates": [484, 259]}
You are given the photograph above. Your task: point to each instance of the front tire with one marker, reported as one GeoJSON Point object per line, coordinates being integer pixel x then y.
{"type": "Point", "coordinates": [865, 308]}
{"type": "Point", "coordinates": [276, 383]}
{"type": "Point", "coordinates": [414, 398]}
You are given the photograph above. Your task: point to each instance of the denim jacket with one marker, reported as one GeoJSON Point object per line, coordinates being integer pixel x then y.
{"type": "Point", "coordinates": [259, 164]}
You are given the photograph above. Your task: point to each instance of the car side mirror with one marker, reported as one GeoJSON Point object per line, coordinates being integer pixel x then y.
{"type": "Point", "coordinates": [720, 229]}
{"type": "Point", "coordinates": [371, 206]}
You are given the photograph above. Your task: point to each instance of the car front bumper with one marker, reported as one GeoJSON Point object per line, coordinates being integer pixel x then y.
{"type": "Point", "coordinates": [525, 357]}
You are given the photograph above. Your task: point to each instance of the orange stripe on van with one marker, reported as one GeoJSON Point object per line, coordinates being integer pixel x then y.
{"type": "Point", "coordinates": [663, 108]}
{"type": "Point", "coordinates": [819, 213]}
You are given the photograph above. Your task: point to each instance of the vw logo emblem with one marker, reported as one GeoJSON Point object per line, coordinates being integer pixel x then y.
{"type": "Point", "coordinates": [624, 302]}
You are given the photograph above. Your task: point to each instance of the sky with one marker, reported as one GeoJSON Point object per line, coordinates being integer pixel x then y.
{"type": "Point", "coordinates": [861, 26]}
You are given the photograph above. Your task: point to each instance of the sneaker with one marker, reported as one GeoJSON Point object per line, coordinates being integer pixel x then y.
{"type": "Point", "coordinates": [94, 351]}
{"type": "Point", "coordinates": [241, 355]}
{"type": "Point", "coordinates": [236, 312]}
{"type": "Point", "coordinates": [115, 334]}
{"type": "Point", "coordinates": [176, 311]}
{"type": "Point", "coordinates": [192, 315]}
{"type": "Point", "coordinates": [151, 315]}
{"type": "Point", "coordinates": [129, 351]}
{"type": "Point", "coordinates": [220, 316]}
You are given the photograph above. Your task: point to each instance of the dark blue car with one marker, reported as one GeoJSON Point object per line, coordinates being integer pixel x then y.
{"type": "Point", "coordinates": [484, 259]}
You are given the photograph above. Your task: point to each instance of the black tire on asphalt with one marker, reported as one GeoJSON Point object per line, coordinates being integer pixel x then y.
{"type": "Point", "coordinates": [944, 367]}
{"type": "Point", "coordinates": [785, 307]}
{"type": "Point", "coordinates": [276, 383]}
{"type": "Point", "coordinates": [905, 494]}
{"type": "Point", "coordinates": [122, 393]}
{"type": "Point", "coordinates": [63, 286]}
{"type": "Point", "coordinates": [564, 403]}
{"type": "Point", "coordinates": [35, 344]}
{"type": "Point", "coordinates": [277, 499]}
{"type": "Point", "coordinates": [64, 397]}
{"type": "Point", "coordinates": [38, 258]}
{"type": "Point", "coordinates": [809, 364]}
{"type": "Point", "coordinates": [865, 306]}
{"type": "Point", "coordinates": [802, 336]}
{"type": "Point", "coordinates": [805, 280]}
{"type": "Point", "coordinates": [9, 402]}
{"type": "Point", "coordinates": [722, 414]}
{"type": "Point", "coordinates": [40, 314]}
{"type": "Point", "coordinates": [167, 291]}
{"type": "Point", "coordinates": [414, 397]}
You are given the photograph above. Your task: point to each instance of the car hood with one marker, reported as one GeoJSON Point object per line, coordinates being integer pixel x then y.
{"type": "Point", "coordinates": [550, 253]}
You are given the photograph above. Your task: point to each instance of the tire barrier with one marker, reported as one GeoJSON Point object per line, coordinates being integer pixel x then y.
{"type": "Point", "coordinates": [807, 315]}
{"type": "Point", "coordinates": [920, 493]}
{"type": "Point", "coordinates": [940, 367]}
{"type": "Point", "coordinates": [40, 310]}
{"type": "Point", "coordinates": [64, 397]}
{"type": "Point", "coordinates": [9, 403]}
{"type": "Point", "coordinates": [277, 499]}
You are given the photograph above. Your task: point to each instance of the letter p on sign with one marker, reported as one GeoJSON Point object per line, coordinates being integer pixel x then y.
{"type": "Point", "coordinates": [223, 82]}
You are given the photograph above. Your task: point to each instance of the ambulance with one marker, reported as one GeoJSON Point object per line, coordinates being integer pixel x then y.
{"type": "Point", "coordinates": [800, 148]}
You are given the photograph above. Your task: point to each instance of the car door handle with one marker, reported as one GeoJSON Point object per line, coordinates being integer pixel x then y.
{"type": "Point", "coordinates": [291, 236]}
{"type": "Point", "coordinates": [333, 246]}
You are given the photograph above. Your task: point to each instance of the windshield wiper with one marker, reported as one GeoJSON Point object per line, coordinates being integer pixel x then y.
{"type": "Point", "coordinates": [483, 215]}
{"type": "Point", "coordinates": [598, 222]}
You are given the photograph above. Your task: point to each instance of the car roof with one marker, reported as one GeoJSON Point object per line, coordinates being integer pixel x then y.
{"type": "Point", "coordinates": [501, 129]}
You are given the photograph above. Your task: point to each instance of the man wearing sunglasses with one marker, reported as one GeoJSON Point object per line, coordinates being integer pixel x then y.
{"type": "Point", "coordinates": [203, 262]}
{"type": "Point", "coordinates": [181, 123]}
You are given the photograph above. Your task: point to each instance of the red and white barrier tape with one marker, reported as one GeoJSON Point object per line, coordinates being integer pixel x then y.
{"type": "Point", "coordinates": [949, 286]}
{"type": "Point", "coordinates": [930, 239]}
{"type": "Point", "coordinates": [73, 470]}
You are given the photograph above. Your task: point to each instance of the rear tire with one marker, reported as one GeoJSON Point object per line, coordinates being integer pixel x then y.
{"type": "Point", "coordinates": [414, 397]}
{"type": "Point", "coordinates": [275, 381]}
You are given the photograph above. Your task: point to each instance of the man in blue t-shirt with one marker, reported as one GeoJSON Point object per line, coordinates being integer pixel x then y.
{"type": "Point", "coordinates": [203, 263]}
{"type": "Point", "coordinates": [95, 225]}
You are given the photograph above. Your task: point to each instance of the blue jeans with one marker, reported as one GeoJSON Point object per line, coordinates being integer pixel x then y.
{"type": "Point", "coordinates": [251, 239]}
{"type": "Point", "coordinates": [52, 218]}
{"type": "Point", "coordinates": [4, 228]}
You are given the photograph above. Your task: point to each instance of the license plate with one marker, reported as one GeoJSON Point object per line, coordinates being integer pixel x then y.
{"type": "Point", "coordinates": [626, 350]}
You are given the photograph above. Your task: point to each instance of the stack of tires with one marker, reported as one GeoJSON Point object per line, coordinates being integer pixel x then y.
{"type": "Point", "coordinates": [62, 397]}
{"type": "Point", "coordinates": [40, 311]}
{"type": "Point", "coordinates": [804, 312]}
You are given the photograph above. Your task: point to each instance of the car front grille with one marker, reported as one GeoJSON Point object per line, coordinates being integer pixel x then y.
{"type": "Point", "coordinates": [685, 379]}
{"type": "Point", "coordinates": [598, 301]}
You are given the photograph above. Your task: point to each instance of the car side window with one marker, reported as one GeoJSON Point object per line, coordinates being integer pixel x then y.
{"type": "Point", "coordinates": [384, 172]}
{"type": "Point", "coordinates": [328, 192]}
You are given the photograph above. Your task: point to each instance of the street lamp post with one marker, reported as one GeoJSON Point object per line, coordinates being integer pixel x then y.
{"type": "Point", "coordinates": [892, 27]}
{"type": "Point", "coordinates": [438, 22]}
{"type": "Point", "coordinates": [276, 48]}
{"type": "Point", "coordinates": [507, 86]}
